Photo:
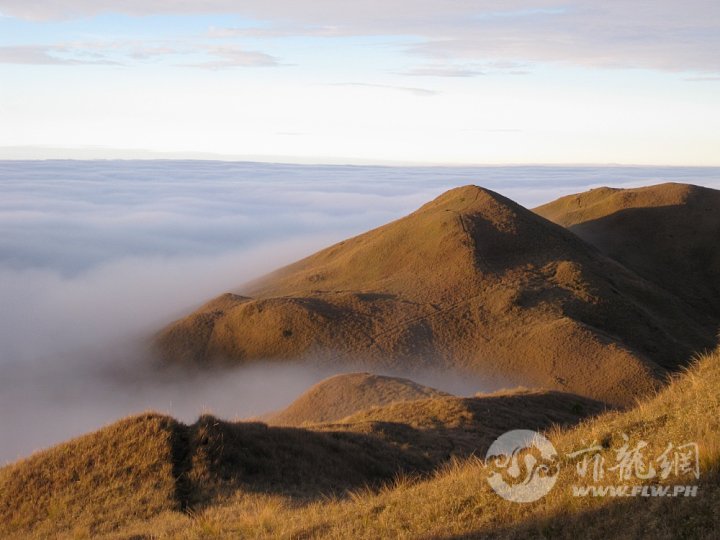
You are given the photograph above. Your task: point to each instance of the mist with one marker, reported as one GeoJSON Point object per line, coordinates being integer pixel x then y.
{"type": "Point", "coordinates": [97, 256]}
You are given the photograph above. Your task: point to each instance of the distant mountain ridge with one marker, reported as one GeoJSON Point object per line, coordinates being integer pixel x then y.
{"type": "Point", "coordinates": [470, 281]}
{"type": "Point", "coordinates": [342, 395]}
{"type": "Point", "coordinates": [667, 233]}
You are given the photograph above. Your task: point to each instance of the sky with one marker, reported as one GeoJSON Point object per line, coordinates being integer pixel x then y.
{"type": "Point", "coordinates": [395, 81]}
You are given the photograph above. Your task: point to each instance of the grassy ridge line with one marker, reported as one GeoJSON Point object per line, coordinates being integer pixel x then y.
{"type": "Point", "coordinates": [123, 472]}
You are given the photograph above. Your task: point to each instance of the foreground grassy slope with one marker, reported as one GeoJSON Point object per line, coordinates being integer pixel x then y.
{"type": "Point", "coordinates": [151, 465]}
{"type": "Point", "coordinates": [457, 502]}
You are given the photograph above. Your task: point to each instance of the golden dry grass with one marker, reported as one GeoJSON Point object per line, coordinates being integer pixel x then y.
{"type": "Point", "coordinates": [94, 483]}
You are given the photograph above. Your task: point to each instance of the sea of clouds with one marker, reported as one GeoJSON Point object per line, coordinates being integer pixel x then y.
{"type": "Point", "coordinates": [97, 255]}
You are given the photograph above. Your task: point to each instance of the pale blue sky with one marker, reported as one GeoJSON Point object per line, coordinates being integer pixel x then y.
{"type": "Point", "coordinates": [447, 82]}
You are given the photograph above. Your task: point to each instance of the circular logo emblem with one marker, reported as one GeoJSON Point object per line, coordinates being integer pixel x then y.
{"type": "Point", "coordinates": [522, 465]}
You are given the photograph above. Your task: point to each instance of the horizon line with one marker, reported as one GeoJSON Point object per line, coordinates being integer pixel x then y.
{"type": "Point", "coordinates": [320, 160]}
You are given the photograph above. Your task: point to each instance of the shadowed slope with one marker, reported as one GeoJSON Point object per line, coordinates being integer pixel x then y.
{"type": "Point", "coordinates": [667, 233]}
{"type": "Point", "coordinates": [499, 410]}
{"type": "Point", "coordinates": [452, 426]}
{"type": "Point", "coordinates": [345, 394]}
{"type": "Point", "coordinates": [471, 280]}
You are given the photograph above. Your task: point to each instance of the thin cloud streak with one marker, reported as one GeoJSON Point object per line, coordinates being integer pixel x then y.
{"type": "Point", "coordinates": [277, 32]}
{"type": "Point", "coordinates": [41, 55]}
{"type": "Point", "coordinates": [702, 79]}
{"type": "Point", "coordinates": [443, 71]}
{"type": "Point", "coordinates": [125, 53]}
{"type": "Point", "coordinates": [228, 57]}
{"type": "Point", "coordinates": [411, 90]}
